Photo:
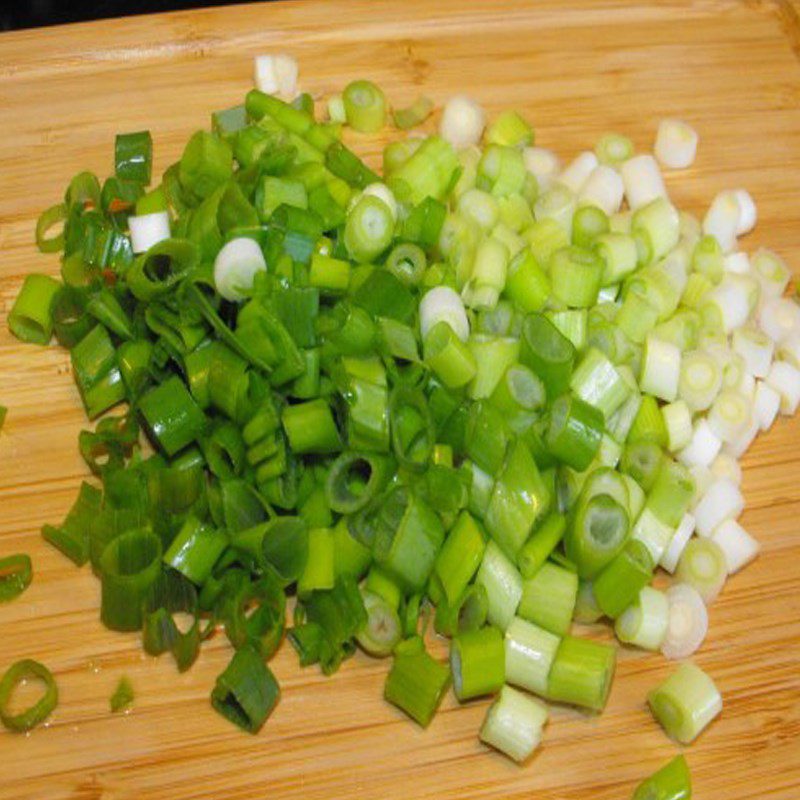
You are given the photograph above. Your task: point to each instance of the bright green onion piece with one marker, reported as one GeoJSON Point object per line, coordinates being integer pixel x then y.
{"type": "Point", "coordinates": [364, 106]}
{"type": "Point", "coordinates": [685, 703]}
{"type": "Point", "coordinates": [582, 673]}
{"type": "Point", "coordinates": [527, 284]}
{"type": "Point", "coordinates": [319, 571]}
{"type": "Point", "coordinates": [597, 533]}
{"type": "Point", "coordinates": [22, 672]}
{"type": "Point", "coordinates": [642, 461]}
{"type": "Point", "coordinates": [382, 631]}
{"type": "Point", "coordinates": [477, 662]}
{"type": "Point", "coordinates": [460, 556]}
{"type": "Point", "coordinates": [172, 417]}
{"type": "Point", "coordinates": [16, 574]}
{"type": "Point", "coordinates": [416, 684]}
{"type": "Point", "coordinates": [575, 273]}
{"type": "Point", "coordinates": [129, 568]}
{"type": "Point", "coordinates": [503, 584]}
{"type": "Point", "coordinates": [122, 699]}
{"type": "Point", "coordinates": [407, 544]}
{"type": "Point", "coordinates": [206, 163]}
{"type": "Point", "coordinates": [428, 172]}
{"type": "Point", "coordinates": [133, 156]}
{"type": "Point", "coordinates": [519, 498]}
{"type": "Point", "coordinates": [548, 598]}
{"type": "Point", "coordinates": [246, 692]}
{"type": "Point", "coordinates": [597, 382]}
{"type": "Point", "coordinates": [619, 584]}
{"type": "Point", "coordinates": [509, 130]}
{"type": "Point", "coordinates": [407, 261]}
{"type": "Point", "coordinates": [513, 724]}
{"type": "Point", "coordinates": [671, 493]}
{"type": "Point", "coordinates": [648, 424]}
{"type": "Point", "coordinates": [671, 782]}
{"type": "Point", "coordinates": [588, 224]}
{"type": "Point", "coordinates": [72, 537]}
{"type": "Point", "coordinates": [31, 316]}
{"type": "Point", "coordinates": [195, 550]}
{"type": "Point", "coordinates": [530, 652]}
{"type": "Point", "coordinates": [415, 114]}
{"type": "Point", "coordinates": [586, 609]}
{"type": "Point", "coordinates": [48, 219]}
{"type": "Point", "coordinates": [540, 544]}
{"type": "Point", "coordinates": [574, 432]}
{"type": "Point", "coordinates": [355, 479]}
{"type": "Point", "coordinates": [311, 428]}
{"type": "Point", "coordinates": [548, 353]}
{"type": "Point", "coordinates": [448, 357]}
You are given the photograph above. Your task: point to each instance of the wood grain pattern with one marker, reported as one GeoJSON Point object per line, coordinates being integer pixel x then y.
{"type": "Point", "coordinates": [576, 70]}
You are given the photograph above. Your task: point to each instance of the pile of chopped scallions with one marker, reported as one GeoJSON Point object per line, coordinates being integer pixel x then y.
{"type": "Point", "coordinates": [482, 391]}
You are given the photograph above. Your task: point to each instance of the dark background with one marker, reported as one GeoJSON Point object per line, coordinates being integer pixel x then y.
{"type": "Point", "coordinates": [34, 13]}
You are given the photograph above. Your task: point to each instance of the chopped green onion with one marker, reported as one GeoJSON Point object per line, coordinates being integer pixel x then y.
{"type": "Point", "coordinates": [548, 598]}
{"type": "Point", "coordinates": [685, 703]}
{"type": "Point", "coordinates": [513, 724]}
{"type": "Point", "coordinates": [31, 316]}
{"type": "Point", "coordinates": [122, 699]}
{"type": "Point", "coordinates": [415, 114]}
{"type": "Point", "coordinates": [16, 574]}
{"type": "Point", "coordinates": [477, 661]}
{"type": "Point", "coordinates": [671, 782]}
{"type": "Point", "coordinates": [619, 584]}
{"type": "Point", "coordinates": [246, 692]}
{"type": "Point", "coordinates": [416, 684]}
{"type": "Point", "coordinates": [382, 631]}
{"type": "Point", "coordinates": [22, 672]}
{"type": "Point", "coordinates": [460, 556]}
{"type": "Point", "coordinates": [133, 155]}
{"type": "Point", "coordinates": [644, 623]}
{"type": "Point", "coordinates": [582, 673]}
{"type": "Point", "coordinates": [364, 106]}
{"type": "Point", "coordinates": [703, 566]}
{"type": "Point", "coordinates": [503, 585]}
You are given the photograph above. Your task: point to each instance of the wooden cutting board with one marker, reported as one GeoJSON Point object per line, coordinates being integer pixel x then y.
{"type": "Point", "coordinates": [576, 71]}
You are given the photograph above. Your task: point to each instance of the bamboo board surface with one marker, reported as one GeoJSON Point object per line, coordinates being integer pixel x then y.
{"type": "Point", "coordinates": [576, 70]}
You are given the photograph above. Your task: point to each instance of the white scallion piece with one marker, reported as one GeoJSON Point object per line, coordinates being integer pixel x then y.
{"type": "Point", "coordinates": [544, 164]}
{"type": "Point", "coordinates": [700, 381]}
{"type": "Point", "coordinates": [785, 380]}
{"type": "Point", "coordinates": [557, 203]}
{"type": "Point", "coordinates": [654, 534]}
{"type": "Point", "coordinates": [463, 121]}
{"type": "Point", "coordinates": [771, 272]}
{"type": "Point", "coordinates": [513, 724]}
{"type": "Point", "coordinates": [703, 477]}
{"type": "Point", "coordinates": [739, 547]}
{"type": "Point", "coordinates": [276, 74]}
{"type": "Point", "coordinates": [737, 263]}
{"type": "Point", "coordinates": [443, 303]}
{"type": "Point", "coordinates": [336, 112]}
{"type": "Point", "coordinates": [789, 349]}
{"type": "Point", "coordinates": [726, 466]}
{"type": "Point", "coordinates": [148, 229]}
{"type": "Point", "coordinates": [778, 317]}
{"type": "Point", "coordinates": [688, 621]}
{"type": "Point", "coordinates": [766, 405]}
{"type": "Point", "coordinates": [738, 447]}
{"type": "Point", "coordinates": [676, 144]}
{"type": "Point", "coordinates": [604, 189]}
{"type": "Point", "coordinates": [703, 448]}
{"type": "Point", "coordinates": [644, 623]}
{"type": "Point", "coordinates": [703, 566]}
{"type": "Point", "coordinates": [643, 181]}
{"type": "Point", "coordinates": [236, 266]}
{"type": "Point", "coordinates": [722, 501]}
{"type": "Point", "coordinates": [756, 348]}
{"type": "Point", "coordinates": [661, 368]}
{"type": "Point", "coordinates": [382, 192]}
{"type": "Point", "coordinates": [678, 422]}
{"type": "Point", "coordinates": [729, 415]}
{"type": "Point", "coordinates": [577, 172]}
{"type": "Point", "coordinates": [731, 301]}
{"type": "Point", "coordinates": [722, 220]}
{"type": "Point", "coordinates": [748, 214]}
{"type": "Point", "coordinates": [671, 556]}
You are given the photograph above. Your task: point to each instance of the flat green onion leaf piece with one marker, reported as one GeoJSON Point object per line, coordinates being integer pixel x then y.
{"type": "Point", "coordinates": [123, 696]}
